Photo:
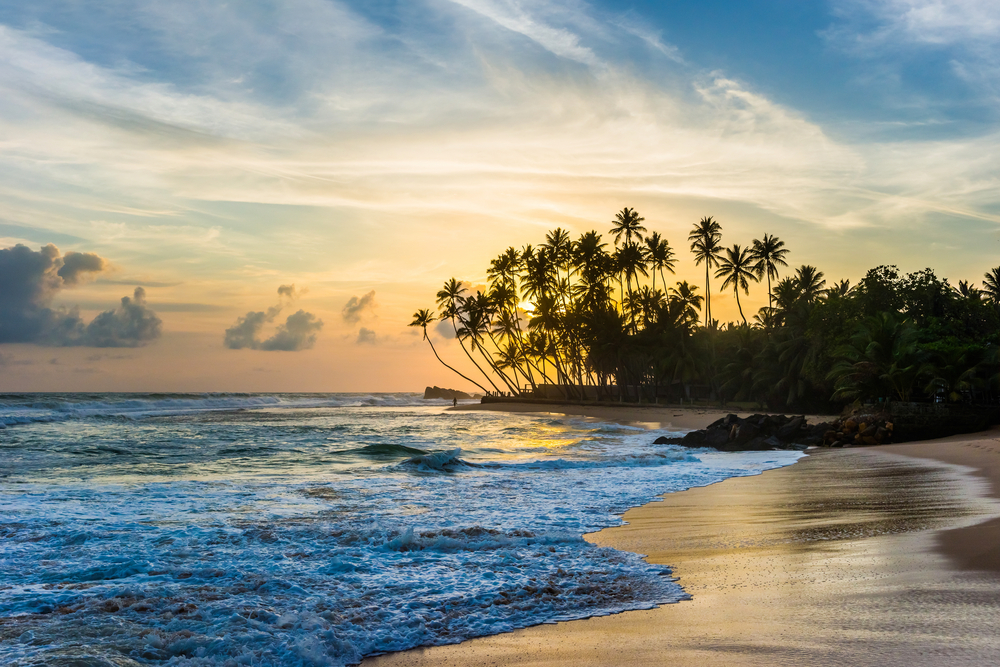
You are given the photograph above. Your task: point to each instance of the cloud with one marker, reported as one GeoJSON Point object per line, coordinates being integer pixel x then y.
{"type": "Point", "coordinates": [243, 334]}
{"type": "Point", "coordinates": [366, 337]}
{"type": "Point", "coordinates": [357, 307]}
{"type": "Point", "coordinates": [30, 279]}
{"type": "Point", "coordinates": [297, 333]}
{"type": "Point", "coordinates": [75, 264]}
{"type": "Point", "coordinates": [10, 360]}
{"type": "Point", "coordinates": [895, 33]}
{"type": "Point", "coordinates": [129, 325]}
{"type": "Point", "coordinates": [444, 329]}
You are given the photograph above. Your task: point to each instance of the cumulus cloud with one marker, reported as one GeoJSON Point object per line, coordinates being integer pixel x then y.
{"type": "Point", "coordinates": [129, 325]}
{"type": "Point", "coordinates": [356, 307]}
{"type": "Point", "coordinates": [30, 279]}
{"type": "Point", "coordinates": [366, 337]}
{"type": "Point", "coordinates": [297, 333]}
{"type": "Point", "coordinates": [76, 264]}
{"type": "Point", "coordinates": [243, 334]}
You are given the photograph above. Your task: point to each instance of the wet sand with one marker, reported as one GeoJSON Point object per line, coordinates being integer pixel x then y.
{"type": "Point", "coordinates": [654, 416]}
{"type": "Point", "coordinates": [873, 556]}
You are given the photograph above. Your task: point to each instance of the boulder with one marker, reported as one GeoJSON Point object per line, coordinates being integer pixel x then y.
{"type": "Point", "coordinates": [791, 428]}
{"type": "Point", "coordinates": [449, 394]}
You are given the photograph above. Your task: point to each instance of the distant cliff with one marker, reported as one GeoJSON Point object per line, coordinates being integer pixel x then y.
{"type": "Point", "coordinates": [438, 392]}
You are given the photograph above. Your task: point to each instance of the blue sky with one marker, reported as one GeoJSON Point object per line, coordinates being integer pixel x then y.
{"type": "Point", "coordinates": [212, 152]}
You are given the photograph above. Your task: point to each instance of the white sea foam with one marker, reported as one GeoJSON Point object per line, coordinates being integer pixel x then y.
{"type": "Point", "coordinates": [318, 536]}
{"type": "Point", "coordinates": [26, 409]}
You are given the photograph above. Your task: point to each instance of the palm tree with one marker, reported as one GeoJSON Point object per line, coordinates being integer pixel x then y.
{"type": "Point", "coordinates": [768, 254]}
{"type": "Point", "coordinates": [627, 222]}
{"type": "Point", "coordinates": [881, 360]}
{"type": "Point", "coordinates": [991, 285]}
{"type": "Point", "coordinates": [810, 282]}
{"type": "Point", "coordinates": [421, 319]}
{"type": "Point", "coordinates": [737, 268]}
{"type": "Point", "coordinates": [706, 244]}
{"type": "Point", "coordinates": [660, 256]}
{"type": "Point", "coordinates": [450, 302]}
{"type": "Point", "coordinates": [687, 296]}
{"type": "Point", "coordinates": [631, 262]}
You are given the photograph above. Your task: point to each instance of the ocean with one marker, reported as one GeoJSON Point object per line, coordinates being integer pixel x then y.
{"type": "Point", "coordinates": [314, 529]}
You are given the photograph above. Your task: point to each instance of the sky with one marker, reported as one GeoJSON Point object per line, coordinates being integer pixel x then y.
{"type": "Point", "coordinates": [256, 196]}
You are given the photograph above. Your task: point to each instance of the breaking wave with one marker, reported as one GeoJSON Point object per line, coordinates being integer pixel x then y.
{"type": "Point", "coordinates": [28, 408]}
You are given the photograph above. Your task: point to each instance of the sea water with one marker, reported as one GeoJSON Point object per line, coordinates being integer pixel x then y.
{"type": "Point", "coordinates": [226, 529]}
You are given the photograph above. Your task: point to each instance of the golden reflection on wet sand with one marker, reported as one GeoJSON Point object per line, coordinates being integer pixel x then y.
{"type": "Point", "coordinates": [830, 561]}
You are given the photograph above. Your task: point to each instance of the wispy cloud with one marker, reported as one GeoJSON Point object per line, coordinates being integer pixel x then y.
{"type": "Point", "coordinates": [320, 140]}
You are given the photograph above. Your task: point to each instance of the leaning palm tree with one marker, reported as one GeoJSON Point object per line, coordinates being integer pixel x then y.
{"type": "Point", "coordinates": [421, 319]}
{"type": "Point", "coordinates": [660, 256]}
{"type": "Point", "coordinates": [737, 267]}
{"type": "Point", "coordinates": [768, 254]}
{"type": "Point", "coordinates": [450, 301]}
{"type": "Point", "coordinates": [627, 223]}
{"type": "Point", "coordinates": [706, 244]}
{"type": "Point", "coordinates": [991, 285]}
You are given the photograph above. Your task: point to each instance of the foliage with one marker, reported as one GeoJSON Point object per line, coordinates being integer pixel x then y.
{"type": "Point", "coordinates": [598, 321]}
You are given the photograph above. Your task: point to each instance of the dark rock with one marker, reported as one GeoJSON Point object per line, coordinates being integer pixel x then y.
{"type": "Point", "coordinates": [717, 439]}
{"type": "Point", "coordinates": [438, 392]}
{"type": "Point", "coordinates": [761, 432]}
{"type": "Point", "coordinates": [788, 431]}
{"type": "Point", "coordinates": [664, 440]}
{"type": "Point", "coordinates": [746, 432]}
{"type": "Point", "coordinates": [695, 438]}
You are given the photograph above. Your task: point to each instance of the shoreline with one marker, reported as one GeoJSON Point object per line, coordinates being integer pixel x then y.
{"type": "Point", "coordinates": [887, 554]}
{"type": "Point", "coordinates": [653, 416]}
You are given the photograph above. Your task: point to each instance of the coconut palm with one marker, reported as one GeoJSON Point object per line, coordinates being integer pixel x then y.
{"type": "Point", "coordinates": [559, 247]}
{"type": "Point", "coordinates": [689, 298]}
{"type": "Point", "coordinates": [706, 244]}
{"type": "Point", "coordinates": [768, 254]}
{"type": "Point", "coordinates": [421, 319]}
{"type": "Point", "coordinates": [810, 282]}
{"type": "Point", "coordinates": [737, 267]}
{"type": "Point", "coordinates": [991, 285]}
{"type": "Point", "coordinates": [627, 223]}
{"type": "Point", "coordinates": [450, 302]}
{"type": "Point", "coordinates": [660, 256]}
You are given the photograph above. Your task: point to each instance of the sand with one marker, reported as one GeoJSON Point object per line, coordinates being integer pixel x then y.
{"type": "Point", "coordinates": [652, 416]}
{"type": "Point", "coordinates": [871, 556]}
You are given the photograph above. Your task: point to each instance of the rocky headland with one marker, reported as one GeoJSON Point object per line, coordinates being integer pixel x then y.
{"type": "Point", "coordinates": [763, 432]}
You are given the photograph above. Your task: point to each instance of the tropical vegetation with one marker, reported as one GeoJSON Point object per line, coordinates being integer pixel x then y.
{"type": "Point", "coordinates": [594, 319]}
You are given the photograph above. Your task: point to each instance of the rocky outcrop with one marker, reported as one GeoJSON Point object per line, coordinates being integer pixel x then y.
{"type": "Point", "coordinates": [753, 433]}
{"type": "Point", "coordinates": [860, 428]}
{"type": "Point", "coordinates": [438, 392]}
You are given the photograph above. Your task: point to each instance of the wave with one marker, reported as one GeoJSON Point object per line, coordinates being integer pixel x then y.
{"type": "Point", "coordinates": [451, 461]}
{"type": "Point", "coordinates": [643, 460]}
{"type": "Point", "coordinates": [39, 408]}
{"type": "Point", "coordinates": [384, 451]}
{"type": "Point", "coordinates": [446, 461]}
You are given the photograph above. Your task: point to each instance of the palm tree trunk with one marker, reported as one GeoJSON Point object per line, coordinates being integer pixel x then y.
{"type": "Point", "coordinates": [427, 338]}
{"type": "Point", "coordinates": [462, 345]}
{"type": "Point", "coordinates": [740, 307]}
{"type": "Point", "coordinates": [708, 296]}
{"type": "Point", "coordinates": [492, 363]}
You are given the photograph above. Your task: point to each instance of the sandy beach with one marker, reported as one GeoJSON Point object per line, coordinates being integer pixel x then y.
{"type": "Point", "coordinates": [886, 555]}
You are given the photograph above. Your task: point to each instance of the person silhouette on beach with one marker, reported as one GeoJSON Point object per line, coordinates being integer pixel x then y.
{"type": "Point", "coordinates": [454, 401]}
